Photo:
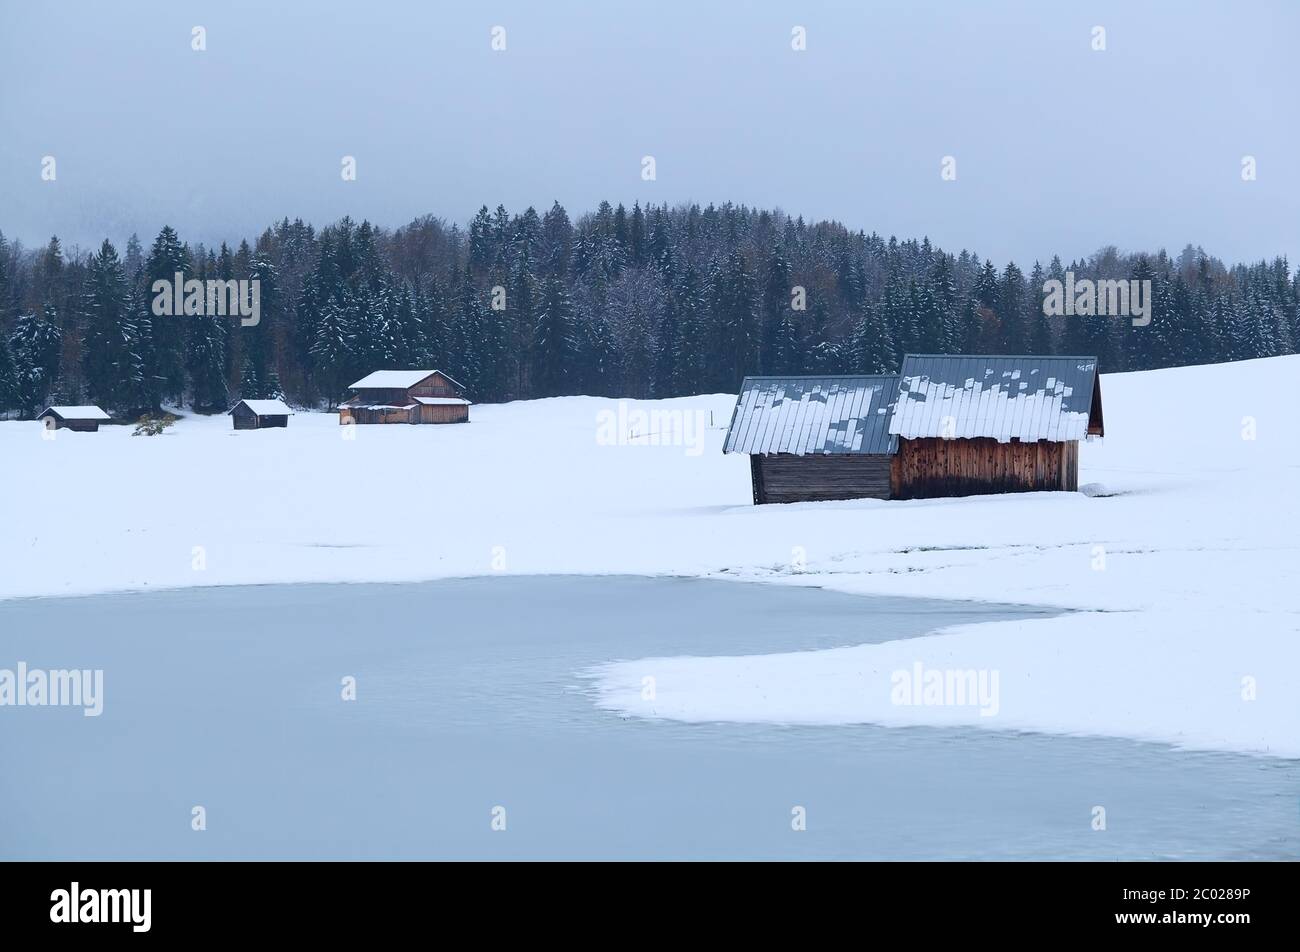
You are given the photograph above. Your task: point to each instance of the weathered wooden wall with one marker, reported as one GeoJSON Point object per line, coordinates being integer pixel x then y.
{"type": "Point", "coordinates": [437, 385]}
{"type": "Point", "coordinates": [245, 419]}
{"type": "Point", "coordinates": [366, 415]}
{"type": "Point", "coordinates": [81, 426]}
{"type": "Point", "coordinates": [1070, 466]}
{"type": "Point", "coordinates": [784, 477]}
{"type": "Point", "coordinates": [383, 396]}
{"type": "Point", "coordinates": [966, 467]}
{"type": "Point", "coordinates": [458, 413]}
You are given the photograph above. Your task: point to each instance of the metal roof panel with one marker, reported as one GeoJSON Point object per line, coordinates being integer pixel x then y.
{"type": "Point", "coordinates": [834, 415]}
{"type": "Point", "coordinates": [985, 397]}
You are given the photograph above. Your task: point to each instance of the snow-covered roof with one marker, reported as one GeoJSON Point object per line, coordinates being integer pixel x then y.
{"type": "Point", "coordinates": [265, 407]}
{"type": "Point", "coordinates": [810, 415]}
{"type": "Point", "coordinates": [1003, 397]}
{"type": "Point", "coordinates": [442, 401]}
{"type": "Point", "coordinates": [376, 406]}
{"type": "Point", "coordinates": [395, 379]}
{"type": "Point", "coordinates": [77, 413]}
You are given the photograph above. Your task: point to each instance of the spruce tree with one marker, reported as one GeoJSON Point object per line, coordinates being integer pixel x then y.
{"type": "Point", "coordinates": [36, 346]}
{"type": "Point", "coordinates": [775, 311]}
{"type": "Point", "coordinates": [165, 348]}
{"type": "Point", "coordinates": [1035, 318]}
{"type": "Point", "coordinates": [874, 351]}
{"type": "Point", "coordinates": [205, 360]}
{"type": "Point", "coordinates": [690, 356]}
{"type": "Point", "coordinates": [1211, 347]}
{"type": "Point", "coordinates": [465, 337]}
{"type": "Point", "coordinates": [943, 287]}
{"type": "Point", "coordinates": [741, 321]}
{"type": "Point", "coordinates": [666, 349]}
{"type": "Point", "coordinates": [434, 326]}
{"type": "Point", "coordinates": [331, 357]}
{"type": "Point", "coordinates": [25, 381]}
{"type": "Point", "coordinates": [8, 292]}
{"type": "Point", "coordinates": [1140, 348]}
{"type": "Point", "coordinates": [1013, 333]}
{"type": "Point", "coordinates": [557, 238]}
{"type": "Point", "coordinates": [259, 340]}
{"type": "Point", "coordinates": [250, 382]}
{"type": "Point", "coordinates": [929, 318]}
{"type": "Point", "coordinates": [519, 325]}
{"type": "Point", "coordinates": [9, 393]}
{"type": "Point", "coordinates": [896, 319]}
{"type": "Point", "coordinates": [597, 355]}
{"type": "Point", "coordinates": [987, 335]}
{"type": "Point", "coordinates": [553, 349]}
{"type": "Point", "coordinates": [821, 355]}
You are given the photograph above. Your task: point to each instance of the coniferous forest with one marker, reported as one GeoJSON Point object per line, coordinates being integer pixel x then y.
{"type": "Point", "coordinates": [651, 302]}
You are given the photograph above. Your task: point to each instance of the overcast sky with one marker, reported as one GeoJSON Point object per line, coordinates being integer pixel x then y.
{"type": "Point", "coordinates": [1058, 148]}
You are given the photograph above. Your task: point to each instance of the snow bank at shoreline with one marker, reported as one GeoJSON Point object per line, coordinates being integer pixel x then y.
{"type": "Point", "coordinates": [1195, 681]}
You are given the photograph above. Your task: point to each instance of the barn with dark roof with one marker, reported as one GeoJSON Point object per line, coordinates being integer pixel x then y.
{"type": "Point", "coordinates": [814, 438]}
{"type": "Point", "coordinates": [406, 396]}
{"type": "Point", "coordinates": [992, 424]}
{"type": "Point", "coordinates": [260, 414]}
{"type": "Point", "coordinates": [84, 419]}
{"type": "Point", "coordinates": [947, 425]}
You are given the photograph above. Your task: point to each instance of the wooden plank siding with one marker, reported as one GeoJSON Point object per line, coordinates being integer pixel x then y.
{"type": "Point", "coordinates": [349, 415]}
{"type": "Point", "coordinates": [79, 426]}
{"type": "Point", "coordinates": [786, 477]}
{"type": "Point", "coordinates": [458, 413]}
{"type": "Point", "coordinates": [401, 405]}
{"type": "Point", "coordinates": [931, 467]}
{"type": "Point", "coordinates": [383, 396]}
{"type": "Point", "coordinates": [436, 385]}
{"type": "Point", "coordinates": [246, 419]}
{"type": "Point", "coordinates": [1070, 466]}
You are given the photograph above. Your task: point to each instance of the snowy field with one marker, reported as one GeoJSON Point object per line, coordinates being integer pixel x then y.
{"type": "Point", "coordinates": [1181, 558]}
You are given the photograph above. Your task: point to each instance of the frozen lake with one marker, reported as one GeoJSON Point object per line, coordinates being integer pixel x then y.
{"type": "Point", "coordinates": [470, 696]}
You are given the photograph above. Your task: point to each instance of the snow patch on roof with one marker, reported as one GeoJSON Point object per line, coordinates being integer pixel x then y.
{"type": "Point", "coordinates": [265, 407]}
{"type": "Point", "coordinates": [1000, 397]}
{"type": "Point", "coordinates": [978, 411]}
{"type": "Point", "coordinates": [395, 379]}
{"type": "Point", "coordinates": [812, 415]}
{"type": "Point", "coordinates": [78, 413]}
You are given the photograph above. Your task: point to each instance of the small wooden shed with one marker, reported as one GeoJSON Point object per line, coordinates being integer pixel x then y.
{"type": "Point", "coordinates": [260, 414]}
{"type": "Point", "coordinates": [83, 419]}
{"type": "Point", "coordinates": [814, 438]}
{"type": "Point", "coordinates": [992, 424]}
{"type": "Point", "coordinates": [406, 396]}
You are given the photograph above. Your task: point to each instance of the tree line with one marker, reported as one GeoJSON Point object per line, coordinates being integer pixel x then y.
{"type": "Point", "coordinates": [657, 301]}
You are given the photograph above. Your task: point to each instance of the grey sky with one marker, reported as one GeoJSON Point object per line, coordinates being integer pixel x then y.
{"type": "Point", "coordinates": [1058, 148]}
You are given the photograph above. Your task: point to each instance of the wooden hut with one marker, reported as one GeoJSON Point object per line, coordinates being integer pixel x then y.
{"type": "Point", "coordinates": [811, 438]}
{"type": "Point", "coordinates": [82, 419]}
{"type": "Point", "coordinates": [992, 424]}
{"type": "Point", "coordinates": [260, 414]}
{"type": "Point", "coordinates": [406, 396]}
